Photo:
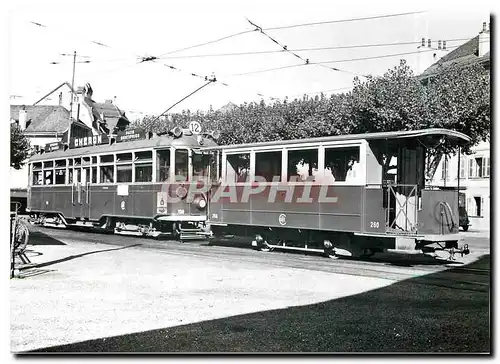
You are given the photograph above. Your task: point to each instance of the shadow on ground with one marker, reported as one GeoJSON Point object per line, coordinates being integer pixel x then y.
{"type": "Point", "coordinates": [39, 238]}
{"type": "Point", "coordinates": [71, 257]}
{"type": "Point", "coordinates": [446, 312]}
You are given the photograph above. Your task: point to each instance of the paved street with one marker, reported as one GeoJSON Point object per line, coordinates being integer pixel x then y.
{"type": "Point", "coordinates": [95, 292]}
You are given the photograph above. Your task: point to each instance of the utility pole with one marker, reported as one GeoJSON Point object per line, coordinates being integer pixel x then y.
{"type": "Point", "coordinates": [72, 97]}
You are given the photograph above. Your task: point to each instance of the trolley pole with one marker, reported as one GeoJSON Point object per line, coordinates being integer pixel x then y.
{"type": "Point", "coordinates": [72, 97]}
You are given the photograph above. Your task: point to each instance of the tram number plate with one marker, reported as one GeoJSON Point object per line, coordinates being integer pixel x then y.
{"type": "Point", "coordinates": [180, 212]}
{"type": "Point", "coordinates": [374, 224]}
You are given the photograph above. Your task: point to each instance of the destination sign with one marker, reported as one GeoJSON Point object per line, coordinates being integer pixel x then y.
{"type": "Point", "coordinates": [54, 146]}
{"type": "Point", "coordinates": [130, 135]}
{"type": "Point", "coordinates": [88, 141]}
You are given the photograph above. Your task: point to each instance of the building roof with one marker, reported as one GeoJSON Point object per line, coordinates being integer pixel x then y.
{"type": "Point", "coordinates": [54, 90]}
{"type": "Point", "coordinates": [44, 118]}
{"type": "Point", "coordinates": [466, 54]}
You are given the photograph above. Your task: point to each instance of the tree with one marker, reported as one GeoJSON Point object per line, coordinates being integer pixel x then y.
{"type": "Point", "coordinates": [20, 148]}
{"type": "Point", "coordinates": [458, 98]}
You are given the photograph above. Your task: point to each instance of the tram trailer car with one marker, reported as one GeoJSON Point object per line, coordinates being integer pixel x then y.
{"type": "Point", "coordinates": [134, 183]}
{"type": "Point", "coordinates": [340, 195]}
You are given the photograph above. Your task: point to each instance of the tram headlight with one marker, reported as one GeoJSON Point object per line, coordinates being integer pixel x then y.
{"type": "Point", "coordinates": [177, 132]}
{"type": "Point", "coordinates": [200, 203]}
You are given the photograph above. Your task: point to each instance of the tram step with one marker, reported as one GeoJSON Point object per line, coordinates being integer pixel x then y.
{"type": "Point", "coordinates": [194, 236]}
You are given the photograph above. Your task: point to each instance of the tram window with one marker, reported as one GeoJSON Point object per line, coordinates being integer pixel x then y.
{"type": "Point", "coordinates": [107, 158]}
{"type": "Point", "coordinates": [124, 173]}
{"type": "Point", "coordinates": [124, 157]}
{"type": "Point", "coordinates": [181, 165]}
{"type": "Point", "coordinates": [61, 163]}
{"type": "Point", "coordinates": [70, 161]}
{"type": "Point", "coordinates": [162, 165]}
{"type": "Point", "coordinates": [215, 166]}
{"type": "Point", "coordinates": [37, 166]}
{"type": "Point", "coordinates": [48, 177]}
{"type": "Point", "coordinates": [60, 176]}
{"type": "Point", "coordinates": [340, 163]}
{"type": "Point", "coordinates": [200, 165]}
{"type": "Point", "coordinates": [144, 156]}
{"type": "Point", "coordinates": [107, 174]}
{"type": "Point", "coordinates": [78, 174]}
{"type": "Point", "coordinates": [268, 165]}
{"type": "Point", "coordinates": [70, 176]}
{"type": "Point", "coordinates": [94, 174]}
{"type": "Point", "coordinates": [49, 164]}
{"type": "Point", "coordinates": [37, 178]}
{"type": "Point", "coordinates": [238, 167]}
{"type": "Point", "coordinates": [78, 161]}
{"type": "Point", "coordinates": [86, 175]}
{"type": "Point", "coordinates": [94, 160]}
{"type": "Point", "coordinates": [143, 173]}
{"type": "Point", "coordinates": [86, 160]}
{"type": "Point", "coordinates": [302, 164]}
{"type": "Point", "coordinates": [144, 166]}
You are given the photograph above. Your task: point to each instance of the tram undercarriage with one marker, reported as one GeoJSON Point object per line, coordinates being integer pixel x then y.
{"type": "Point", "coordinates": [155, 228]}
{"type": "Point", "coordinates": [337, 244]}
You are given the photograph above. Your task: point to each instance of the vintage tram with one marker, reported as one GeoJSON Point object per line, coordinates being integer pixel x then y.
{"type": "Point", "coordinates": [133, 183]}
{"type": "Point", "coordinates": [338, 195]}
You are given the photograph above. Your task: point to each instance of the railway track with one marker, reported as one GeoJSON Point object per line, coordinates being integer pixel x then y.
{"type": "Point", "coordinates": [392, 268]}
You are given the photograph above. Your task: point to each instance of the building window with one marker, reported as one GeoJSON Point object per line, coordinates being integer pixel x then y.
{"type": "Point", "coordinates": [477, 201]}
{"type": "Point", "coordinates": [462, 167]}
{"type": "Point", "coordinates": [479, 167]}
{"type": "Point", "coordinates": [486, 167]}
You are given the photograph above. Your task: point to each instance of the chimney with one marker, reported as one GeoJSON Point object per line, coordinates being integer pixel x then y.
{"type": "Point", "coordinates": [444, 45]}
{"type": "Point", "coordinates": [429, 43]}
{"type": "Point", "coordinates": [439, 44]}
{"type": "Point", "coordinates": [484, 41]}
{"type": "Point", "coordinates": [423, 42]}
{"type": "Point", "coordinates": [23, 118]}
{"type": "Point", "coordinates": [60, 98]}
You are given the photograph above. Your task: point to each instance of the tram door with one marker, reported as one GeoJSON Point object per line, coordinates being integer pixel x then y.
{"type": "Point", "coordinates": [81, 192]}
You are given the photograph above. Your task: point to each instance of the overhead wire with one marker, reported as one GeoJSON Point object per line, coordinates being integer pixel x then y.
{"type": "Point", "coordinates": [293, 26]}
{"type": "Point", "coordinates": [339, 61]}
{"type": "Point", "coordinates": [307, 49]}
{"type": "Point", "coordinates": [305, 60]}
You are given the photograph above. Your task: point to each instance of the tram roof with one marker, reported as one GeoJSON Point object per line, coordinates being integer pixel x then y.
{"type": "Point", "coordinates": [391, 135]}
{"type": "Point", "coordinates": [164, 141]}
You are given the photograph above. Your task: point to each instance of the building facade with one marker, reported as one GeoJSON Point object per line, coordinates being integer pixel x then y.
{"type": "Point", "coordinates": [48, 120]}
{"type": "Point", "coordinates": [474, 170]}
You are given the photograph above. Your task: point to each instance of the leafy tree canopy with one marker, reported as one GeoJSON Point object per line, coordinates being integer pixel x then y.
{"type": "Point", "coordinates": [19, 147]}
{"type": "Point", "coordinates": [456, 98]}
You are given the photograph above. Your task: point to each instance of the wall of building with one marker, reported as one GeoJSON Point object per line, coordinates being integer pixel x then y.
{"type": "Point", "coordinates": [475, 171]}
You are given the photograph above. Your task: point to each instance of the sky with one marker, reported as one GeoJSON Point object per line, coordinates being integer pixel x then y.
{"type": "Point", "coordinates": [128, 31]}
